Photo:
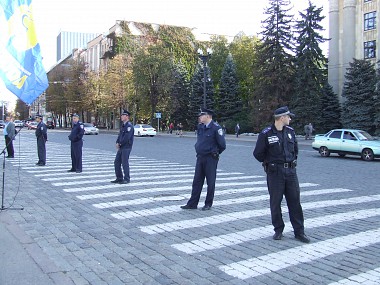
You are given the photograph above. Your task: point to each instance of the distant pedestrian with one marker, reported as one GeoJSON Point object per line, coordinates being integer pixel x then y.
{"type": "Point", "coordinates": [171, 127]}
{"type": "Point", "coordinates": [9, 132]}
{"type": "Point", "coordinates": [308, 129]}
{"type": "Point", "coordinates": [124, 143]}
{"type": "Point", "coordinates": [277, 150]}
{"type": "Point", "coordinates": [41, 134]}
{"type": "Point", "coordinates": [210, 144]}
{"type": "Point", "coordinates": [76, 138]}
{"type": "Point", "coordinates": [237, 130]}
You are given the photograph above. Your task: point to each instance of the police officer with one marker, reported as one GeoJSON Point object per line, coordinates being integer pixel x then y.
{"type": "Point", "coordinates": [76, 138]}
{"type": "Point", "coordinates": [124, 144]}
{"type": "Point", "coordinates": [41, 134]}
{"type": "Point", "coordinates": [210, 144]}
{"type": "Point", "coordinates": [277, 149]}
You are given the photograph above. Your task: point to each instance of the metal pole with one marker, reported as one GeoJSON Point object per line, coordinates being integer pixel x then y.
{"type": "Point", "coordinates": [204, 81]}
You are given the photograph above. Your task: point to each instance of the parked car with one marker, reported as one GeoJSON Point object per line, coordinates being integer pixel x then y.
{"type": "Point", "coordinates": [2, 124]}
{"type": "Point", "coordinates": [144, 130]}
{"type": "Point", "coordinates": [347, 141]}
{"type": "Point", "coordinates": [18, 123]}
{"type": "Point", "coordinates": [32, 125]}
{"type": "Point", "coordinates": [50, 124]}
{"type": "Point", "coordinates": [90, 129]}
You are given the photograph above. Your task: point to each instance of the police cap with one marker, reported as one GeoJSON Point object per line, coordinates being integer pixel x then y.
{"type": "Point", "coordinates": [38, 116]}
{"type": "Point", "coordinates": [282, 111]}
{"type": "Point", "coordinates": [126, 113]}
{"type": "Point", "coordinates": [75, 115]}
{"type": "Point", "coordinates": [205, 111]}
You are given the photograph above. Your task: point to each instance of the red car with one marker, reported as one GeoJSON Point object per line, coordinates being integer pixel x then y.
{"type": "Point", "coordinates": [32, 125]}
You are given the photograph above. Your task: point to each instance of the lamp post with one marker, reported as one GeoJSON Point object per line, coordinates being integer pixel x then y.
{"type": "Point", "coordinates": [204, 58]}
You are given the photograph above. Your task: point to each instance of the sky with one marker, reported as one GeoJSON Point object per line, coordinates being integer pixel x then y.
{"type": "Point", "coordinates": [223, 17]}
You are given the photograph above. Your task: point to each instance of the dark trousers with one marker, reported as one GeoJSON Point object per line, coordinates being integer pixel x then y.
{"type": "Point", "coordinates": [205, 168]}
{"type": "Point", "coordinates": [9, 145]}
{"type": "Point", "coordinates": [41, 150]}
{"type": "Point", "coordinates": [284, 182]}
{"type": "Point", "coordinates": [122, 159]}
{"type": "Point", "coordinates": [76, 155]}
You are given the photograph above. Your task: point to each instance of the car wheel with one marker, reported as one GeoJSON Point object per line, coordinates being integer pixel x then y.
{"type": "Point", "coordinates": [152, 136]}
{"type": "Point", "coordinates": [324, 151]}
{"type": "Point", "coordinates": [342, 154]}
{"type": "Point", "coordinates": [367, 154]}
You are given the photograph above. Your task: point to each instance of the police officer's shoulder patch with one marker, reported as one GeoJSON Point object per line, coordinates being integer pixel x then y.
{"type": "Point", "coordinates": [81, 126]}
{"type": "Point", "coordinates": [220, 132]}
{"type": "Point", "coordinates": [266, 130]}
{"type": "Point", "coordinates": [290, 128]}
{"type": "Point", "coordinates": [216, 124]}
{"type": "Point", "coordinates": [128, 129]}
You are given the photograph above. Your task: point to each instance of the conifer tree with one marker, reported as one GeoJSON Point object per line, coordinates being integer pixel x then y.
{"type": "Point", "coordinates": [311, 69]}
{"type": "Point", "coordinates": [330, 110]}
{"type": "Point", "coordinates": [273, 70]}
{"type": "Point", "coordinates": [359, 93]}
{"type": "Point", "coordinates": [229, 100]}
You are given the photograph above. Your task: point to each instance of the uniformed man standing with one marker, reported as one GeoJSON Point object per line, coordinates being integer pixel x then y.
{"type": "Point", "coordinates": [41, 134]}
{"type": "Point", "coordinates": [277, 149]}
{"type": "Point", "coordinates": [210, 144]}
{"type": "Point", "coordinates": [76, 138]}
{"type": "Point", "coordinates": [124, 144]}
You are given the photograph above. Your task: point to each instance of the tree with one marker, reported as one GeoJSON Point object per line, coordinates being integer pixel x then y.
{"type": "Point", "coordinates": [229, 100]}
{"type": "Point", "coordinates": [330, 110]}
{"type": "Point", "coordinates": [273, 69]}
{"type": "Point", "coordinates": [22, 109]}
{"type": "Point", "coordinates": [359, 93]}
{"type": "Point", "coordinates": [376, 121]}
{"type": "Point", "coordinates": [311, 69]}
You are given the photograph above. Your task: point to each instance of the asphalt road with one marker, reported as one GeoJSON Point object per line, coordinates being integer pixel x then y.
{"type": "Point", "coordinates": [94, 232]}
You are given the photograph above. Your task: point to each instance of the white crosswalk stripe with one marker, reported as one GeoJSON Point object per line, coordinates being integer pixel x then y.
{"type": "Point", "coordinates": [158, 193]}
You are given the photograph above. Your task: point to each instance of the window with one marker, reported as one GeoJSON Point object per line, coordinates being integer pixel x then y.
{"type": "Point", "coordinates": [335, 135]}
{"type": "Point", "coordinates": [367, 1]}
{"type": "Point", "coordinates": [370, 49]}
{"type": "Point", "coordinates": [369, 21]}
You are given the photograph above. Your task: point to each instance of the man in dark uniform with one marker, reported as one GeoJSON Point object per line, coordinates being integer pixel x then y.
{"type": "Point", "coordinates": [41, 134]}
{"type": "Point", "coordinates": [277, 149]}
{"type": "Point", "coordinates": [210, 144]}
{"type": "Point", "coordinates": [76, 138]}
{"type": "Point", "coordinates": [124, 144]}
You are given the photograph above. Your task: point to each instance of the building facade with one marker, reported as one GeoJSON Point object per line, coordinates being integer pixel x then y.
{"type": "Point", "coordinates": [353, 34]}
{"type": "Point", "coordinates": [67, 41]}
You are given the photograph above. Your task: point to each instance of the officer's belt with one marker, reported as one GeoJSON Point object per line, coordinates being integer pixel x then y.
{"type": "Point", "coordinates": [287, 164]}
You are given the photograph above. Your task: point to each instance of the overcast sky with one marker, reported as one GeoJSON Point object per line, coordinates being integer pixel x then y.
{"type": "Point", "coordinates": [206, 16]}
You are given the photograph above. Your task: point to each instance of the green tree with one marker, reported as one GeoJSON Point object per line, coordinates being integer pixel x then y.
{"type": "Point", "coordinates": [311, 69]}
{"type": "Point", "coordinates": [330, 110]}
{"type": "Point", "coordinates": [229, 101]}
{"type": "Point", "coordinates": [376, 122]}
{"type": "Point", "coordinates": [22, 109]}
{"type": "Point", "coordinates": [219, 47]}
{"type": "Point", "coordinates": [359, 93]}
{"type": "Point", "coordinates": [273, 68]}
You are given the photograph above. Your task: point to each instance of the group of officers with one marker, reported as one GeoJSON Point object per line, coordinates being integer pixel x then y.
{"type": "Point", "coordinates": [276, 149]}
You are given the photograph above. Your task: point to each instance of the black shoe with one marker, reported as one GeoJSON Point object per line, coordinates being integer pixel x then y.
{"type": "Point", "coordinates": [71, 170]}
{"type": "Point", "coordinates": [40, 164]}
{"type": "Point", "coordinates": [116, 181]}
{"type": "Point", "coordinates": [78, 171]}
{"type": "Point", "coordinates": [206, 208]}
{"type": "Point", "coordinates": [278, 236]}
{"type": "Point", "coordinates": [9, 156]}
{"type": "Point", "coordinates": [187, 207]}
{"type": "Point", "coordinates": [302, 237]}
{"type": "Point", "coordinates": [123, 182]}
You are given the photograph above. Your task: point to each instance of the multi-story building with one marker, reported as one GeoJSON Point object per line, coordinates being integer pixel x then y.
{"type": "Point", "coordinates": [353, 33]}
{"type": "Point", "coordinates": [67, 41]}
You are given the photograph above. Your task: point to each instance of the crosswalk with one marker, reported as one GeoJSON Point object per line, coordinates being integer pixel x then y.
{"type": "Point", "coordinates": [159, 188]}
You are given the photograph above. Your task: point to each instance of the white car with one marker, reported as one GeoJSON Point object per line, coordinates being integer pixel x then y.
{"type": "Point", "coordinates": [89, 129]}
{"type": "Point", "coordinates": [144, 130]}
{"type": "Point", "coordinates": [18, 123]}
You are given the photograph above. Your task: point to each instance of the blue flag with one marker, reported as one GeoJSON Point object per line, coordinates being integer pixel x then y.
{"type": "Point", "coordinates": [21, 66]}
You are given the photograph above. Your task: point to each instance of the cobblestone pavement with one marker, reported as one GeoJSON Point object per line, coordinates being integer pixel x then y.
{"type": "Point", "coordinates": [95, 232]}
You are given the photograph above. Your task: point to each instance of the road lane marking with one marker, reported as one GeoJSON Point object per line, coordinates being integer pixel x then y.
{"type": "Point", "coordinates": [370, 277]}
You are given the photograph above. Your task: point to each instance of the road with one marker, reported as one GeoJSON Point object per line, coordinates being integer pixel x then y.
{"type": "Point", "coordinates": [95, 232]}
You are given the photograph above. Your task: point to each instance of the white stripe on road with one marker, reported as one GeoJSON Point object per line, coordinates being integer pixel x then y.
{"type": "Point", "coordinates": [370, 277]}
{"type": "Point", "coordinates": [229, 217]}
{"type": "Point", "coordinates": [301, 254]}
{"type": "Point", "coordinates": [221, 241]}
{"type": "Point", "coordinates": [145, 183]}
{"type": "Point", "coordinates": [232, 201]}
{"type": "Point", "coordinates": [102, 187]}
{"type": "Point", "coordinates": [173, 175]}
{"type": "Point", "coordinates": [165, 189]}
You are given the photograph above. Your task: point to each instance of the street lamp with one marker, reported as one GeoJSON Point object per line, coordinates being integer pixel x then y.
{"type": "Point", "coordinates": [204, 58]}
